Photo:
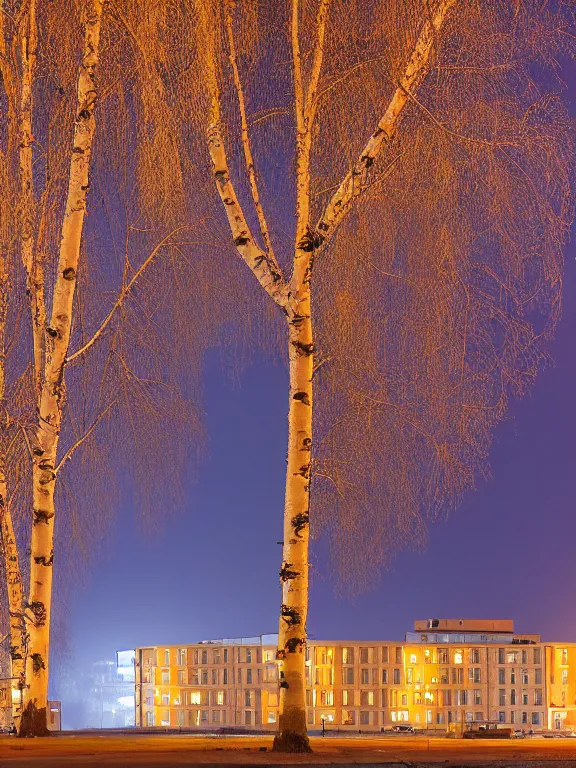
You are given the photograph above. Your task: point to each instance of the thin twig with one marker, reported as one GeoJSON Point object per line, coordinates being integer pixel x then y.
{"type": "Point", "coordinates": [85, 436]}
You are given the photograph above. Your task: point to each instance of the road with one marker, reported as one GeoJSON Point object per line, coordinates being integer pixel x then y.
{"type": "Point", "coordinates": [172, 750]}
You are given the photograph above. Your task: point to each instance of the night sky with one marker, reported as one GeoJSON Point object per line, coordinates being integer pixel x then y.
{"type": "Point", "coordinates": [211, 572]}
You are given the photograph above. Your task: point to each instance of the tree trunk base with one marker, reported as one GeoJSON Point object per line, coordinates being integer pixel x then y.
{"type": "Point", "coordinates": [33, 721]}
{"type": "Point", "coordinates": [290, 741]}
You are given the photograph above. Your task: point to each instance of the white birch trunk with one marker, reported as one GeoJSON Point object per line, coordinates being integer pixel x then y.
{"type": "Point", "coordinates": [32, 264]}
{"type": "Point", "coordinates": [292, 730]}
{"type": "Point", "coordinates": [15, 594]}
{"type": "Point", "coordinates": [52, 394]}
{"type": "Point", "coordinates": [9, 549]}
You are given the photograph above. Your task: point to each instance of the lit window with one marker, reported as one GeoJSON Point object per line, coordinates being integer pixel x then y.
{"type": "Point", "coordinates": [458, 656]}
{"type": "Point", "coordinates": [220, 698]}
{"type": "Point", "coordinates": [413, 658]}
{"type": "Point", "coordinates": [271, 717]}
{"type": "Point", "coordinates": [195, 697]}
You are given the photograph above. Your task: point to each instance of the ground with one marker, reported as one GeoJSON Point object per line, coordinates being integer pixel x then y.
{"type": "Point", "coordinates": [168, 750]}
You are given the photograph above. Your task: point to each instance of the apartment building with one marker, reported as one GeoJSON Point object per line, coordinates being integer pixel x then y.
{"type": "Point", "coordinates": [446, 671]}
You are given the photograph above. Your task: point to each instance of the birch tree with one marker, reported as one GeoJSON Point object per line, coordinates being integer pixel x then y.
{"type": "Point", "coordinates": [395, 176]}
{"type": "Point", "coordinates": [119, 369]}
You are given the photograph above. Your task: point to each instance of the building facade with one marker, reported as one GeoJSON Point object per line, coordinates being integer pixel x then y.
{"type": "Point", "coordinates": [445, 672]}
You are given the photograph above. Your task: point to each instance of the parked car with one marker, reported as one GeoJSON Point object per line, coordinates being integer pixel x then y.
{"type": "Point", "coordinates": [403, 729]}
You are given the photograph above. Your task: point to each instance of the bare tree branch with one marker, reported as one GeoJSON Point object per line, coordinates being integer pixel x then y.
{"type": "Point", "coordinates": [124, 293]}
{"type": "Point", "coordinates": [264, 267]}
{"type": "Point", "coordinates": [70, 452]}
{"type": "Point", "coordinates": [249, 160]}
{"type": "Point", "coordinates": [353, 182]}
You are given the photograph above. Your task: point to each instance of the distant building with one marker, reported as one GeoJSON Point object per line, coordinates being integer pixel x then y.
{"type": "Point", "coordinates": [110, 703]}
{"type": "Point", "coordinates": [446, 671]}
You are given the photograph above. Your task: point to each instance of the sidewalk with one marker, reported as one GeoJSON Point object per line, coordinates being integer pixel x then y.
{"type": "Point", "coordinates": [174, 751]}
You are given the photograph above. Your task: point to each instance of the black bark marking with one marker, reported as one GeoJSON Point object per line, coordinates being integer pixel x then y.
{"type": "Point", "coordinates": [221, 177]}
{"type": "Point", "coordinates": [297, 319]}
{"type": "Point", "coordinates": [304, 471]}
{"type": "Point", "coordinates": [84, 114]}
{"type": "Point", "coordinates": [241, 240]}
{"type": "Point", "coordinates": [294, 644]}
{"type": "Point", "coordinates": [299, 522]}
{"type": "Point", "coordinates": [15, 653]}
{"type": "Point", "coordinates": [42, 516]}
{"type": "Point", "coordinates": [291, 616]}
{"type": "Point", "coordinates": [37, 663]}
{"type": "Point", "coordinates": [302, 397]}
{"type": "Point", "coordinates": [52, 332]}
{"type": "Point", "coordinates": [306, 444]}
{"type": "Point", "coordinates": [305, 350]}
{"type": "Point", "coordinates": [286, 574]}
{"type": "Point", "coordinates": [38, 610]}
{"type": "Point", "coordinates": [228, 201]}
{"type": "Point", "coordinates": [37, 451]}
{"type": "Point", "coordinates": [69, 273]}
{"type": "Point", "coordinates": [45, 561]}
{"type": "Point", "coordinates": [367, 160]}
{"type": "Point", "coordinates": [310, 241]}
{"type": "Point", "coordinates": [78, 151]}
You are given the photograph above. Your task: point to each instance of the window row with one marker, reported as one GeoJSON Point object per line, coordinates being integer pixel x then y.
{"type": "Point", "coordinates": [513, 697]}
{"type": "Point", "coordinates": [523, 718]}
{"type": "Point", "coordinates": [202, 717]}
{"type": "Point", "coordinates": [183, 656]}
{"type": "Point", "coordinates": [349, 655]}
{"type": "Point", "coordinates": [224, 676]}
{"type": "Point", "coordinates": [522, 676]}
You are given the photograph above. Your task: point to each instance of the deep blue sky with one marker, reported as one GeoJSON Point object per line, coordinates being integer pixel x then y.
{"type": "Point", "coordinates": [508, 551]}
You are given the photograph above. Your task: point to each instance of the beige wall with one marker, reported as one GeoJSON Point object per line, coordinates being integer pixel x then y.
{"type": "Point", "coordinates": [360, 686]}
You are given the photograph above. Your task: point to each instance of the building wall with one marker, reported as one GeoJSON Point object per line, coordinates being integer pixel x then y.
{"type": "Point", "coordinates": [360, 685]}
